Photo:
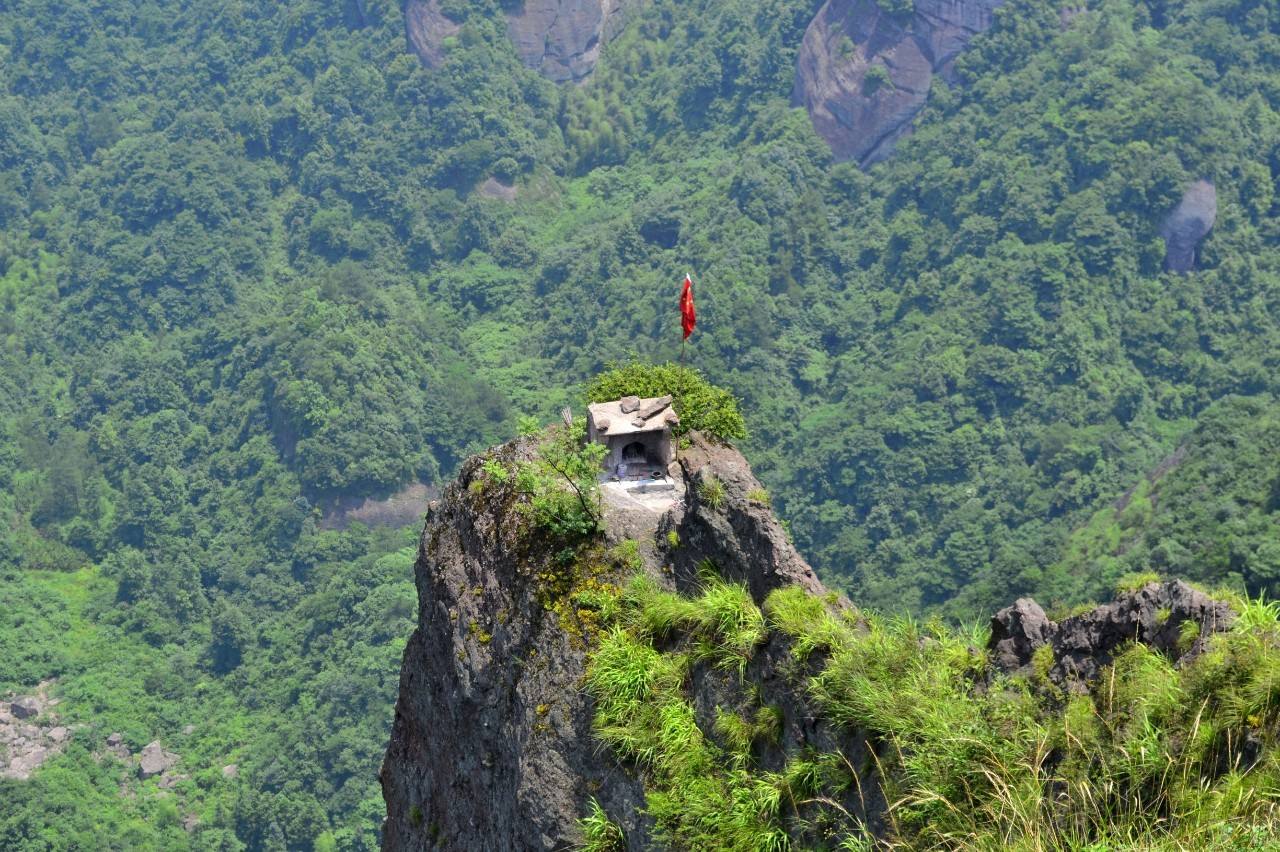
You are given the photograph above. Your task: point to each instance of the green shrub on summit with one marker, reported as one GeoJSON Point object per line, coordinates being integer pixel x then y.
{"type": "Point", "coordinates": [701, 405]}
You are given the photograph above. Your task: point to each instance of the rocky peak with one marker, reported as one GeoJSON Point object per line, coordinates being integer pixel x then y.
{"type": "Point", "coordinates": [863, 73]}
{"type": "Point", "coordinates": [492, 739]}
{"type": "Point", "coordinates": [1154, 615]}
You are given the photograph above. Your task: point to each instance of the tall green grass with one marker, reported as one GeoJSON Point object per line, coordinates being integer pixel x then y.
{"type": "Point", "coordinates": [1153, 756]}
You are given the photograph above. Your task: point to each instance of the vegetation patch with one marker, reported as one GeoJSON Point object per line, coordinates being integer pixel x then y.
{"type": "Point", "coordinates": [712, 492]}
{"type": "Point", "coordinates": [560, 484]}
{"type": "Point", "coordinates": [701, 405]}
{"type": "Point", "coordinates": [967, 759]}
{"type": "Point", "coordinates": [600, 834]}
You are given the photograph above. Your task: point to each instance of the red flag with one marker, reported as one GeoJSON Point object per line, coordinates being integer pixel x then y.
{"type": "Point", "coordinates": [688, 318]}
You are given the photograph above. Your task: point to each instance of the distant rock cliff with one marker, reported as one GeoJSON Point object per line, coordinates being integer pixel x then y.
{"type": "Point", "coordinates": [1188, 224]}
{"type": "Point", "coordinates": [863, 73]}
{"type": "Point", "coordinates": [561, 39]}
{"type": "Point", "coordinates": [426, 28]}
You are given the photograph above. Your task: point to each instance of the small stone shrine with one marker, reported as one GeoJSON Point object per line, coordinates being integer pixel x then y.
{"type": "Point", "coordinates": [637, 433]}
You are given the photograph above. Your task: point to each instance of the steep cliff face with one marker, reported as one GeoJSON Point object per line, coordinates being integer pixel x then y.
{"type": "Point", "coordinates": [562, 38]}
{"type": "Point", "coordinates": [426, 28]}
{"type": "Point", "coordinates": [490, 747]}
{"type": "Point", "coordinates": [863, 73]}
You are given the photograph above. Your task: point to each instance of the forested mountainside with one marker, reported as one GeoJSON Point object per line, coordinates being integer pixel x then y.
{"type": "Point", "coordinates": [257, 260]}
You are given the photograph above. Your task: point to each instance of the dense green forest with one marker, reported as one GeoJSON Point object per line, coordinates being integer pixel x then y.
{"type": "Point", "coordinates": [244, 273]}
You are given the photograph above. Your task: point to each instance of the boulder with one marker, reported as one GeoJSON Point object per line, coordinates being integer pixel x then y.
{"type": "Point", "coordinates": [22, 765]}
{"type": "Point", "coordinates": [169, 780]}
{"type": "Point", "coordinates": [24, 707]}
{"type": "Point", "coordinates": [154, 760]}
{"type": "Point", "coordinates": [58, 734]}
{"type": "Point", "coordinates": [1187, 225]}
{"type": "Point", "coordinates": [863, 73]}
{"type": "Point", "coordinates": [1016, 632]}
{"type": "Point", "coordinates": [231, 770]}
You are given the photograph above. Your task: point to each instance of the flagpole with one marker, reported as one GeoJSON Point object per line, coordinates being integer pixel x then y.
{"type": "Point", "coordinates": [684, 339]}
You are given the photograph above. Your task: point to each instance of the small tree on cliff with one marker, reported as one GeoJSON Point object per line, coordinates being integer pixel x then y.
{"type": "Point", "coordinates": [561, 482]}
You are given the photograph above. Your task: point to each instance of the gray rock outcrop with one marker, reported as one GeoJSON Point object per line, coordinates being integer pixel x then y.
{"type": "Point", "coordinates": [1153, 615]}
{"type": "Point", "coordinates": [426, 28]}
{"type": "Point", "coordinates": [863, 73]}
{"type": "Point", "coordinates": [562, 39]}
{"type": "Point", "coordinates": [24, 707]}
{"type": "Point", "coordinates": [1016, 632]}
{"type": "Point", "coordinates": [1188, 224]}
{"type": "Point", "coordinates": [153, 760]}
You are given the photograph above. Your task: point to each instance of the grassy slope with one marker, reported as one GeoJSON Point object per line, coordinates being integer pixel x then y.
{"type": "Point", "coordinates": [1154, 756]}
